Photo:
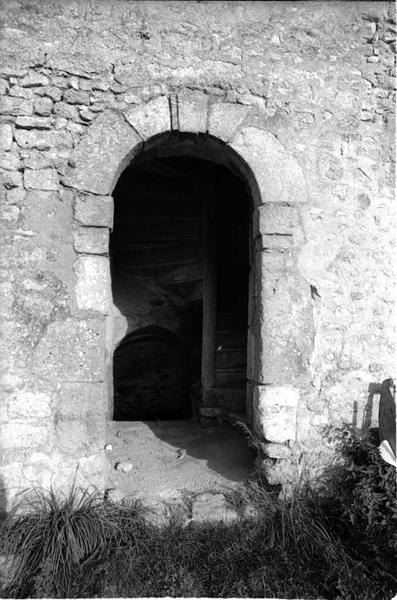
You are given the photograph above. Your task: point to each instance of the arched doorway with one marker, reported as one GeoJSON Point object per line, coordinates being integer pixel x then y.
{"type": "Point", "coordinates": [180, 261]}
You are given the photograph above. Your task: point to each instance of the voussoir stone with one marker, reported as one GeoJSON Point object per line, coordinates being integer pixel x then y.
{"type": "Point", "coordinates": [225, 118]}
{"type": "Point", "coordinates": [102, 154]}
{"type": "Point", "coordinates": [192, 111]}
{"type": "Point", "coordinates": [151, 118]}
{"type": "Point", "coordinates": [71, 350]}
{"type": "Point", "coordinates": [277, 173]}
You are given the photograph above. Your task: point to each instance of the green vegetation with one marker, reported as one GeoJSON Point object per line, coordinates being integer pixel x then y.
{"type": "Point", "coordinates": [338, 542]}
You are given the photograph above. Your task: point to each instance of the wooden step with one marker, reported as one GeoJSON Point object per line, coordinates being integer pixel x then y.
{"type": "Point", "coordinates": [231, 338]}
{"type": "Point", "coordinates": [231, 399]}
{"type": "Point", "coordinates": [231, 358]}
{"type": "Point", "coordinates": [230, 377]}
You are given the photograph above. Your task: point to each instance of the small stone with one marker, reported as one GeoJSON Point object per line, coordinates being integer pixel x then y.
{"type": "Point", "coordinates": [9, 162]}
{"type": "Point", "coordinates": [65, 110]}
{"type": "Point", "coordinates": [16, 196]}
{"type": "Point", "coordinates": [41, 179]}
{"type": "Point", "coordinates": [10, 213]}
{"type": "Point", "coordinates": [108, 447]}
{"type": "Point", "coordinates": [33, 79]}
{"type": "Point", "coordinates": [33, 122]}
{"type": "Point", "coordinates": [34, 159]}
{"type": "Point", "coordinates": [86, 114]}
{"type": "Point", "coordinates": [76, 97]}
{"type": "Point", "coordinates": [60, 82]}
{"type": "Point", "coordinates": [124, 467]}
{"type": "Point", "coordinates": [15, 106]}
{"type": "Point", "coordinates": [43, 106]}
{"type": "Point", "coordinates": [21, 92]}
{"type": "Point", "coordinates": [3, 86]}
{"type": "Point", "coordinates": [12, 179]}
{"type": "Point", "coordinates": [5, 136]}
{"type": "Point", "coordinates": [52, 92]}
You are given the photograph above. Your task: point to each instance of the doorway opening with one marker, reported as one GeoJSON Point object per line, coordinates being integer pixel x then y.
{"type": "Point", "coordinates": [180, 268]}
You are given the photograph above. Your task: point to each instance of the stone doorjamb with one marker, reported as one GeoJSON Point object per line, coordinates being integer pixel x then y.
{"type": "Point", "coordinates": [280, 319]}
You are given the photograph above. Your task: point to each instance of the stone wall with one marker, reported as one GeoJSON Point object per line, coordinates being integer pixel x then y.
{"type": "Point", "coordinates": [302, 94]}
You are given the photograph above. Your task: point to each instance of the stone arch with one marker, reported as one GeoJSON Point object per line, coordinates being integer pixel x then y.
{"type": "Point", "coordinates": [280, 314]}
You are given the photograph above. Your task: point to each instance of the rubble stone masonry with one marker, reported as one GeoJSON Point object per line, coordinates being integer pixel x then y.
{"type": "Point", "coordinates": [300, 98]}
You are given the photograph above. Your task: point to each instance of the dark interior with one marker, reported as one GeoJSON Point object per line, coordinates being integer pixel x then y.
{"type": "Point", "coordinates": [156, 253]}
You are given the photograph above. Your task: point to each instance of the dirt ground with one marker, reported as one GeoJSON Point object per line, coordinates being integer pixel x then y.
{"type": "Point", "coordinates": [166, 458]}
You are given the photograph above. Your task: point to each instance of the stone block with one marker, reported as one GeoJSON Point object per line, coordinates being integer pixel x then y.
{"type": "Point", "coordinates": [225, 118]}
{"type": "Point", "coordinates": [33, 79]}
{"type": "Point", "coordinates": [94, 210]}
{"type": "Point", "coordinates": [81, 401]}
{"type": "Point", "coordinates": [192, 111]}
{"type": "Point", "coordinates": [91, 240]}
{"type": "Point", "coordinates": [210, 508]}
{"type": "Point", "coordinates": [279, 219]}
{"type": "Point", "coordinates": [43, 106]}
{"type": "Point", "coordinates": [102, 154]}
{"type": "Point", "coordinates": [93, 288]}
{"type": "Point", "coordinates": [71, 350]}
{"type": "Point", "coordinates": [52, 92]}
{"type": "Point", "coordinates": [43, 140]}
{"type": "Point", "coordinates": [12, 179]}
{"type": "Point", "coordinates": [15, 106]}
{"type": "Point", "coordinates": [23, 435]}
{"type": "Point", "coordinates": [29, 405]}
{"type": "Point", "coordinates": [151, 118]}
{"type": "Point", "coordinates": [286, 328]}
{"type": "Point", "coordinates": [5, 136]}
{"type": "Point", "coordinates": [76, 96]}
{"type": "Point", "coordinates": [277, 173]}
{"type": "Point", "coordinates": [41, 179]}
{"type": "Point", "coordinates": [275, 412]}
{"type": "Point", "coordinates": [9, 162]}
{"type": "Point", "coordinates": [65, 110]}
{"type": "Point", "coordinates": [33, 122]}
{"type": "Point", "coordinates": [33, 159]}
